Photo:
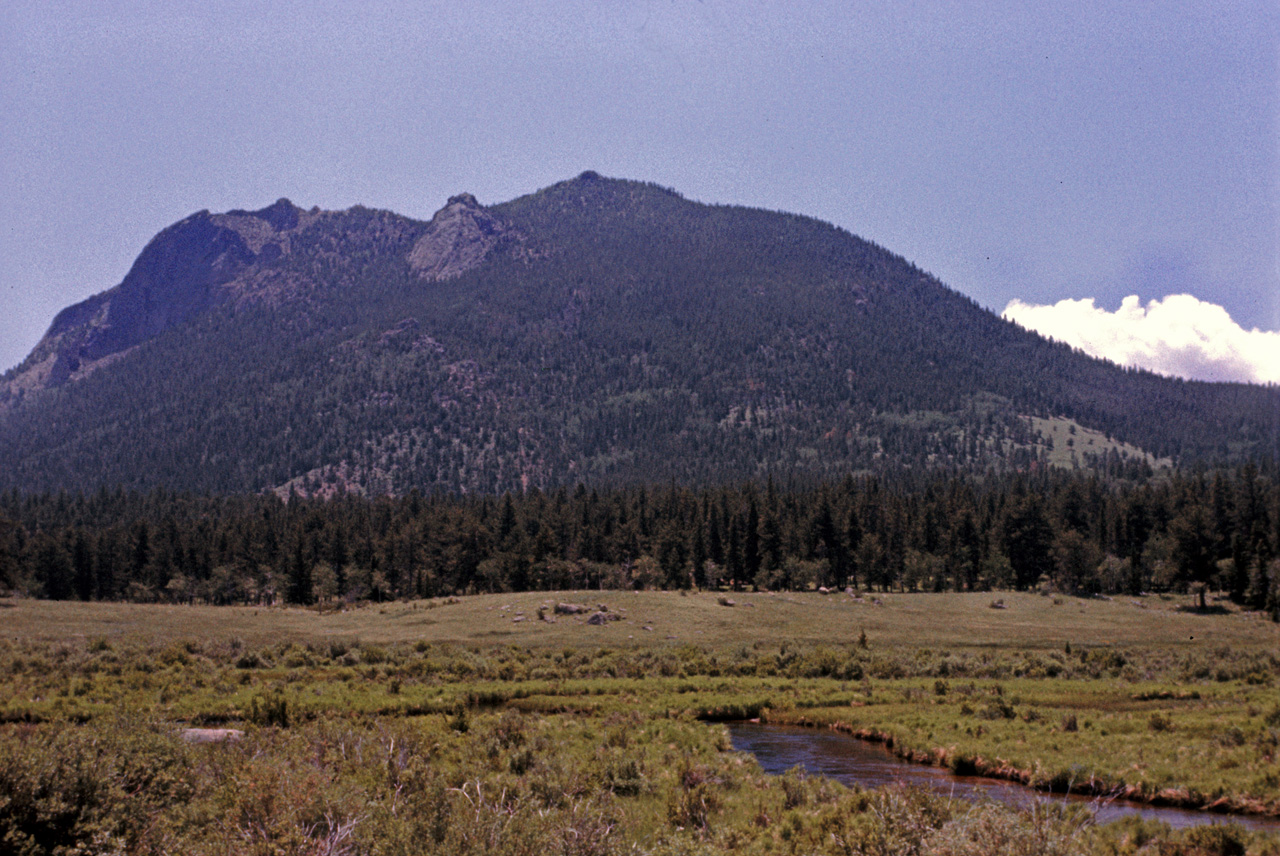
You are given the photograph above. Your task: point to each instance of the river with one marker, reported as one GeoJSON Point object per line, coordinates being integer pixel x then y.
{"type": "Point", "coordinates": [858, 762]}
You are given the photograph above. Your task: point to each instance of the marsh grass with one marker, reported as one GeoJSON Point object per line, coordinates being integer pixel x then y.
{"type": "Point", "coordinates": [374, 739]}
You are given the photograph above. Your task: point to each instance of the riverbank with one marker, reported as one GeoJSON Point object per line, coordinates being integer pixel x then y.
{"type": "Point", "coordinates": [862, 763]}
{"type": "Point", "coordinates": [1222, 807]}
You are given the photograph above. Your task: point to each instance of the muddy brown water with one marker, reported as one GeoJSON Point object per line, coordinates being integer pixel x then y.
{"type": "Point", "coordinates": [851, 761]}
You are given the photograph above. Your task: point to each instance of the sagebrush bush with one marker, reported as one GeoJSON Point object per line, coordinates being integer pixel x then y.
{"type": "Point", "coordinates": [63, 788]}
{"type": "Point", "coordinates": [994, 830]}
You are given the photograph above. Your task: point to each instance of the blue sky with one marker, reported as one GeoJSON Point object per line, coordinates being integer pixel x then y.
{"type": "Point", "coordinates": [1016, 151]}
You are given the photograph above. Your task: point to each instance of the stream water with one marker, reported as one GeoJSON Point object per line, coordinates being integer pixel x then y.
{"type": "Point", "coordinates": [858, 762]}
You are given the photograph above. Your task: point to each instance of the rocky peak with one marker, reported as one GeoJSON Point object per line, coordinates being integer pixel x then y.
{"type": "Point", "coordinates": [280, 216]}
{"type": "Point", "coordinates": [457, 239]}
{"type": "Point", "coordinates": [268, 230]}
{"type": "Point", "coordinates": [196, 263]}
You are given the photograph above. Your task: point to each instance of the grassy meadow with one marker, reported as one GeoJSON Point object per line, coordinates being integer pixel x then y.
{"type": "Point", "coordinates": [1070, 444]}
{"type": "Point", "coordinates": [497, 723]}
{"type": "Point", "coordinates": [964, 621]}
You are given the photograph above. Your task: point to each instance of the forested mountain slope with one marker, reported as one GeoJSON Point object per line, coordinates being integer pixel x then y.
{"type": "Point", "coordinates": [599, 330]}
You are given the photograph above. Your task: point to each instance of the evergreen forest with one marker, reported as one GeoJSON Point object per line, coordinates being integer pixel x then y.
{"type": "Point", "coordinates": [1083, 534]}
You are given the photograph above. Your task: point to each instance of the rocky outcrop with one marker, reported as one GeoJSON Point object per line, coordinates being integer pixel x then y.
{"type": "Point", "coordinates": [209, 260]}
{"type": "Point", "coordinates": [269, 232]}
{"type": "Point", "coordinates": [211, 735]}
{"type": "Point", "coordinates": [187, 268]}
{"type": "Point", "coordinates": [457, 239]}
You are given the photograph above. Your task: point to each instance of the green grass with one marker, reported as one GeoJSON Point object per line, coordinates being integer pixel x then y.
{"type": "Point", "coordinates": [1069, 444]}
{"type": "Point", "coordinates": [495, 782]}
{"type": "Point", "coordinates": [1148, 698]}
{"type": "Point", "coordinates": [658, 619]}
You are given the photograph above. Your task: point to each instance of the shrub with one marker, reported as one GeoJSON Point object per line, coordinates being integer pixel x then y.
{"type": "Point", "coordinates": [624, 777]}
{"type": "Point", "coordinates": [793, 788]}
{"type": "Point", "coordinates": [66, 790]}
{"type": "Point", "coordinates": [692, 807]}
{"type": "Point", "coordinates": [962, 765]}
{"type": "Point", "coordinates": [1217, 840]}
{"type": "Point", "coordinates": [269, 710]}
{"type": "Point", "coordinates": [993, 829]}
{"type": "Point", "coordinates": [1100, 660]}
{"type": "Point", "coordinates": [250, 660]}
{"type": "Point", "coordinates": [997, 709]}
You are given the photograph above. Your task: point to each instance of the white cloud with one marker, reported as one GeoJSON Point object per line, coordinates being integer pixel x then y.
{"type": "Point", "coordinates": [1180, 336]}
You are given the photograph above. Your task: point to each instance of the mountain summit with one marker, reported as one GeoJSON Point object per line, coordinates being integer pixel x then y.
{"type": "Point", "coordinates": [598, 330]}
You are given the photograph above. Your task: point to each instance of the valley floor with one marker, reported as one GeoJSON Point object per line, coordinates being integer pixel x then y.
{"type": "Point", "coordinates": [502, 724]}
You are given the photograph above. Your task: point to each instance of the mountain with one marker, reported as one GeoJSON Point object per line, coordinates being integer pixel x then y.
{"type": "Point", "coordinates": [598, 330]}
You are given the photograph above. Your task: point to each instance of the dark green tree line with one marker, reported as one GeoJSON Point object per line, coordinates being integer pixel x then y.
{"type": "Point", "coordinates": [1079, 534]}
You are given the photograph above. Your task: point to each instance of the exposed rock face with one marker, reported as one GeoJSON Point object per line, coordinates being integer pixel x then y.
{"type": "Point", "coordinates": [174, 278]}
{"type": "Point", "coordinates": [268, 233]}
{"type": "Point", "coordinates": [209, 260]}
{"type": "Point", "coordinates": [184, 270]}
{"type": "Point", "coordinates": [457, 239]}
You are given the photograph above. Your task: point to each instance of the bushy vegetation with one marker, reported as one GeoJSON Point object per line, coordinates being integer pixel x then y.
{"type": "Point", "coordinates": [1100, 721]}
{"type": "Point", "coordinates": [482, 724]}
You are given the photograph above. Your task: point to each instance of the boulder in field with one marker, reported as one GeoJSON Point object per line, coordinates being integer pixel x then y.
{"type": "Point", "coordinates": [211, 735]}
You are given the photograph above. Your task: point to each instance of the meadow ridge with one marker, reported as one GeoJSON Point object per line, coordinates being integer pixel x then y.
{"type": "Point", "coordinates": [964, 621]}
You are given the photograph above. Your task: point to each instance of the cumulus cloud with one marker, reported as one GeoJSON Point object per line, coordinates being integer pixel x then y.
{"type": "Point", "coordinates": [1180, 336]}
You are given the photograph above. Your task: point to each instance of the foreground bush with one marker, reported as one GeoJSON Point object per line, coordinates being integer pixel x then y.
{"type": "Point", "coordinates": [509, 784]}
{"type": "Point", "coordinates": [67, 789]}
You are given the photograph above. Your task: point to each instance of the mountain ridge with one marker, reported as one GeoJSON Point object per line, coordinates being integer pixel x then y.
{"type": "Point", "coordinates": [598, 329]}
